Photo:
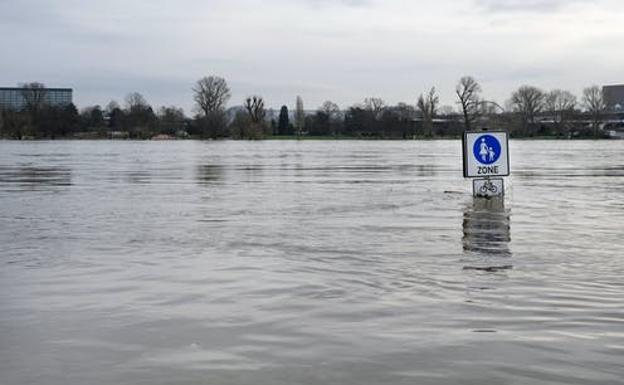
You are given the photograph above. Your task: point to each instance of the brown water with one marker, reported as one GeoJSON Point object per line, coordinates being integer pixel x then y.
{"type": "Point", "coordinates": [308, 263]}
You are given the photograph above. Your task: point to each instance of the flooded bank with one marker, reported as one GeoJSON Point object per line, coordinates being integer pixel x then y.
{"type": "Point", "coordinates": [308, 262]}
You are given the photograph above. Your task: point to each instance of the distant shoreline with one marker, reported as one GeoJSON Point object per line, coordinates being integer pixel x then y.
{"type": "Point", "coordinates": [289, 138]}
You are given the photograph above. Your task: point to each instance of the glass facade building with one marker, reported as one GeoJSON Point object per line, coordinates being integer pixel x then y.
{"type": "Point", "coordinates": [614, 97]}
{"type": "Point", "coordinates": [13, 98]}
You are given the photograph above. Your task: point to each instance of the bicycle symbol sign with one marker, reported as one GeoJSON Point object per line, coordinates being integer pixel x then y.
{"type": "Point", "coordinates": [489, 187]}
{"type": "Point", "coordinates": [486, 154]}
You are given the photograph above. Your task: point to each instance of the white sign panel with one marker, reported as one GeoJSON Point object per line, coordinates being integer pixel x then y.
{"type": "Point", "coordinates": [486, 154]}
{"type": "Point", "coordinates": [488, 187]}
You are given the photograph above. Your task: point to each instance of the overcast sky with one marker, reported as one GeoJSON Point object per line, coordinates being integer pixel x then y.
{"type": "Point", "coordinates": [341, 50]}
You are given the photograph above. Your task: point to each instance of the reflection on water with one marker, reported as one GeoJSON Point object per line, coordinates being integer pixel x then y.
{"type": "Point", "coordinates": [426, 170]}
{"type": "Point", "coordinates": [487, 234]}
{"type": "Point", "coordinates": [138, 177]}
{"type": "Point", "coordinates": [35, 177]}
{"type": "Point", "coordinates": [209, 173]}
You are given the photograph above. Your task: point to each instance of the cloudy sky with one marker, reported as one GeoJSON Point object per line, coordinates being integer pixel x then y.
{"type": "Point", "coordinates": [341, 50]}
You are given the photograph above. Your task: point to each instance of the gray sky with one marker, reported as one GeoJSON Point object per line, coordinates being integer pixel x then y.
{"type": "Point", "coordinates": [341, 50]}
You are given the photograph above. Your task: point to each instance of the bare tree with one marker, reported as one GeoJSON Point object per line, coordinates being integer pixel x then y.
{"type": "Point", "coordinates": [255, 108]}
{"type": "Point", "coordinates": [333, 113]}
{"type": "Point", "coordinates": [405, 111]}
{"type": "Point", "coordinates": [594, 103]}
{"type": "Point", "coordinates": [139, 118]}
{"type": "Point", "coordinates": [211, 94]}
{"type": "Point", "coordinates": [331, 109]}
{"type": "Point", "coordinates": [468, 91]}
{"type": "Point", "coordinates": [528, 101]}
{"type": "Point", "coordinates": [299, 116]}
{"type": "Point", "coordinates": [561, 105]}
{"type": "Point", "coordinates": [171, 119]}
{"type": "Point", "coordinates": [34, 95]}
{"type": "Point", "coordinates": [135, 102]}
{"type": "Point", "coordinates": [434, 102]}
{"type": "Point", "coordinates": [376, 106]}
{"type": "Point", "coordinates": [256, 112]}
{"type": "Point", "coordinates": [428, 107]}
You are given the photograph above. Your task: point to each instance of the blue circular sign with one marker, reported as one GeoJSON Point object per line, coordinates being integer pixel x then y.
{"type": "Point", "coordinates": [486, 149]}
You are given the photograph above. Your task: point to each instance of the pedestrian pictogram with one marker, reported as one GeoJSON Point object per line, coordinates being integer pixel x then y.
{"type": "Point", "coordinates": [487, 149]}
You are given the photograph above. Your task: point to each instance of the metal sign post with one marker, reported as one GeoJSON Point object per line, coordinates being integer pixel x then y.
{"type": "Point", "coordinates": [486, 157]}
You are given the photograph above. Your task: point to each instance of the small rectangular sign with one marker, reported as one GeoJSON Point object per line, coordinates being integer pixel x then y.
{"type": "Point", "coordinates": [488, 187]}
{"type": "Point", "coordinates": [486, 153]}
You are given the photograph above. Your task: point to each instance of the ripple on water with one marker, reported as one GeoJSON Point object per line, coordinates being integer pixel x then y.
{"type": "Point", "coordinates": [282, 262]}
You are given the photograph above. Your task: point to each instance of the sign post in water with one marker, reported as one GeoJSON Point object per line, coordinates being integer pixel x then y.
{"type": "Point", "coordinates": [486, 156]}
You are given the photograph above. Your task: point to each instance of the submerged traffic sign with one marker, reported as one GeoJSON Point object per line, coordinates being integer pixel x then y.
{"type": "Point", "coordinates": [486, 154]}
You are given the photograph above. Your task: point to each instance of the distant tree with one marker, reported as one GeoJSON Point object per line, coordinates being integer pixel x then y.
{"type": "Point", "coordinates": [57, 121]}
{"type": "Point", "coordinates": [331, 109]}
{"type": "Point", "coordinates": [16, 124]}
{"type": "Point", "coordinates": [283, 125]}
{"type": "Point", "coordinates": [375, 106]}
{"type": "Point", "coordinates": [115, 116]}
{"type": "Point", "coordinates": [211, 94]}
{"type": "Point", "coordinates": [360, 122]}
{"type": "Point", "coordinates": [317, 124]}
{"type": "Point", "coordinates": [34, 95]}
{"type": "Point", "coordinates": [468, 91]}
{"type": "Point", "coordinates": [270, 122]}
{"type": "Point", "coordinates": [135, 101]}
{"type": "Point", "coordinates": [528, 101]}
{"type": "Point", "coordinates": [139, 116]}
{"type": "Point", "coordinates": [299, 116]}
{"type": "Point", "coordinates": [595, 104]}
{"type": "Point", "coordinates": [241, 124]}
{"type": "Point", "coordinates": [111, 106]}
{"type": "Point", "coordinates": [329, 117]}
{"type": "Point", "coordinates": [560, 104]}
{"type": "Point", "coordinates": [255, 109]}
{"type": "Point", "coordinates": [406, 112]}
{"type": "Point", "coordinates": [170, 113]}
{"type": "Point", "coordinates": [324, 121]}
{"type": "Point", "coordinates": [171, 120]}
{"type": "Point", "coordinates": [96, 117]}
{"type": "Point", "coordinates": [428, 107]}
{"type": "Point", "coordinates": [398, 121]}
{"type": "Point", "coordinates": [70, 119]}
{"type": "Point", "coordinates": [92, 118]}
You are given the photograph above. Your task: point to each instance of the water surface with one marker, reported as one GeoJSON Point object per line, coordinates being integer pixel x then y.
{"type": "Point", "coordinates": [346, 262]}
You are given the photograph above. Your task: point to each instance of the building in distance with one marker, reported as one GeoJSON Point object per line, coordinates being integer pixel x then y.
{"type": "Point", "coordinates": [13, 97]}
{"type": "Point", "coordinates": [614, 97]}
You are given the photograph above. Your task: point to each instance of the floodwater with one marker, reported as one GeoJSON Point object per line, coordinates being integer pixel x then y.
{"type": "Point", "coordinates": [329, 262]}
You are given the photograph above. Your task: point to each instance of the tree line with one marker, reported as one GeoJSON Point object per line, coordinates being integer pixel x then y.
{"type": "Point", "coordinates": [529, 111]}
